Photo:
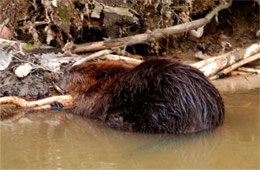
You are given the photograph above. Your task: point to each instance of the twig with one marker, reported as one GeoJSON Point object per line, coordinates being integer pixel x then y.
{"type": "Point", "coordinates": [250, 70]}
{"type": "Point", "coordinates": [238, 73]}
{"type": "Point", "coordinates": [65, 99]}
{"type": "Point", "coordinates": [199, 32]}
{"type": "Point", "coordinates": [92, 57]}
{"type": "Point", "coordinates": [127, 59]}
{"type": "Point", "coordinates": [105, 54]}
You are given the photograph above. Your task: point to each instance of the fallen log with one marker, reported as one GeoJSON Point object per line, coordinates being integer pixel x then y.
{"type": "Point", "coordinates": [227, 60]}
{"type": "Point", "coordinates": [235, 66]}
{"type": "Point", "coordinates": [140, 38]}
{"type": "Point", "coordinates": [210, 60]}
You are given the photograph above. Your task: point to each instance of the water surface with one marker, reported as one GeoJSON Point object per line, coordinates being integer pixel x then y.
{"type": "Point", "coordinates": [58, 140]}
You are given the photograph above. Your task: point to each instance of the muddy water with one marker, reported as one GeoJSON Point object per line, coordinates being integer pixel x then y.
{"type": "Point", "coordinates": [59, 141]}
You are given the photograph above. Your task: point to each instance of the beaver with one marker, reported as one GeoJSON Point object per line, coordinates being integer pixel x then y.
{"type": "Point", "coordinates": [156, 96]}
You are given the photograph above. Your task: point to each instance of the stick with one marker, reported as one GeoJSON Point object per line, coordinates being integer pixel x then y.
{"type": "Point", "coordinates": [105, 54]}
{"type": "Point", "coordinates": [238, 73]}
{"type": "Point", "coordinates": [127, 59]}
{"type": "Point", "coordinates": [92, 57]}
{"type": "Point", "coordinates": [199, 32]}
{"type": "Point", "coordinates": [236, 65]}
{"type": "Point", "coordinates": [250, 70]}
{"type": "Point", "coordinates": [140, 38]}
{"type": "Point", "coordinates": [65, 99]}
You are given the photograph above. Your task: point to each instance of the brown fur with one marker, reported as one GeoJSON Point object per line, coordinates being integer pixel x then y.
{"type": "Point", "coordinates": [157, 96]}
{"type": "Point", "coordinates": [88, 78]}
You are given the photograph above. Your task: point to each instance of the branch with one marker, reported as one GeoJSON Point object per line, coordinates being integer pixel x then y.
{"type": "Point", "coordinates": [250, 70]}
{"type": "Point", "coordinates": [92, 57]}
{"type": "Point", "coordinates": [66, 100]}
{"type": "Point", "coordinates": [140, 38]}
{"type": "Point", "coordinates": [228, 60]}
{"type": "Point", "coordinates": [236, 65]}
{"type": "Point", "coordinates": [199, 32]}
{"type": "Point", "coordinates": [127, 59]}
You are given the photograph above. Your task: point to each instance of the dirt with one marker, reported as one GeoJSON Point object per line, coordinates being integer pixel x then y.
{"type": "Point", "coordinates": [30, 85]}
{"type": "Point", "coordinates": [35, 86]}
{"type": "Point", "coordinates": [236, 27]}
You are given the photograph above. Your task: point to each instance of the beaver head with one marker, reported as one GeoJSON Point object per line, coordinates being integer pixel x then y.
{"type": "Point", "coordinates": [91, 77]}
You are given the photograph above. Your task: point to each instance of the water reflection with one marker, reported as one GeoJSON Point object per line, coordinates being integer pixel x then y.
{"type": "Point", "coordinates": [60, 141]}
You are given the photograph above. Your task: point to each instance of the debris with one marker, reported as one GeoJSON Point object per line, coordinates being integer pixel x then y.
{"type": "Point", "coordinates": [5, 33]}
{"type": "Point", "coordinates": [6, 57]}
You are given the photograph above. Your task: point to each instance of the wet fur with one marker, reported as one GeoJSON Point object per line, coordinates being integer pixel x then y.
{"type": "Point", "coordinates": [157, 96]}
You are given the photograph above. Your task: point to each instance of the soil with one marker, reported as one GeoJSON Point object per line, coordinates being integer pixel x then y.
{"type": "Point", "coordinates": [30, 85]}
{"type": "Point", "coordinates": [236, 26]}
{"type": "Point", "coordinates": [37, 85]}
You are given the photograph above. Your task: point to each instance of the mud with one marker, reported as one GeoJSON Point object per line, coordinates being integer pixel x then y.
{"type": "Point", "coordinates": [34, 86]}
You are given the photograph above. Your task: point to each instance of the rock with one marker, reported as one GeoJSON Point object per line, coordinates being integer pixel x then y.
{"type": "Point", "coordinates": [23, 70]}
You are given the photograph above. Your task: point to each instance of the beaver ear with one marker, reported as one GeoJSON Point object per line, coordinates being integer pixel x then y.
{"type": "Point", "coordinates": [101, 75]}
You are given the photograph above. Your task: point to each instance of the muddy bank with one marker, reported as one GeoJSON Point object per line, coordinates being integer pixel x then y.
{"type": "Point", "coordinates": [37, 85]}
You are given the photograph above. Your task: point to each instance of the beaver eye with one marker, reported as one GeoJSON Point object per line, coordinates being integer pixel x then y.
{"type": "Point", "coordinates": [101, 75]}
{"type": "Point", "coordinates": [82, 72]}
